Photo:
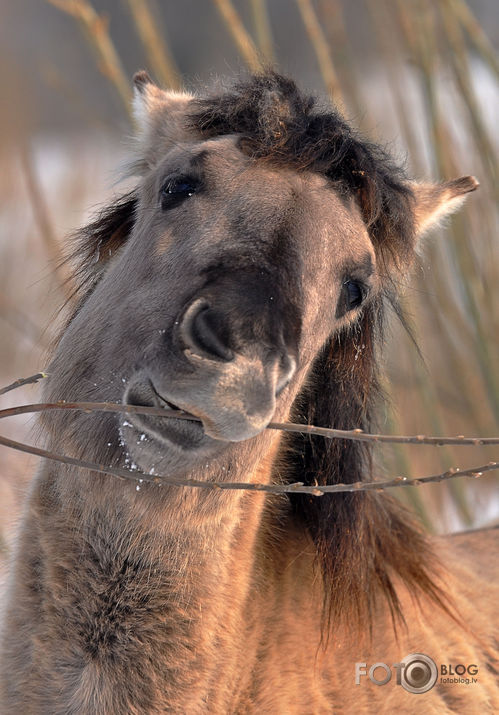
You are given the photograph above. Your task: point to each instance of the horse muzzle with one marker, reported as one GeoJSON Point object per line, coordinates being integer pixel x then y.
{"type": "Point", "coordinates": [232, 392]}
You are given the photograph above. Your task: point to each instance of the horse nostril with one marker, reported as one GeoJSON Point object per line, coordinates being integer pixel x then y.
{"type": "Point", "coordinates": [204, 331]}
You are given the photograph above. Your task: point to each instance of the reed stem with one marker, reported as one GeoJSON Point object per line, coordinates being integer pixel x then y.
{"type": "Point", "coordinates": [263, 29]}
{"type": "Point", "coordinates": [241, 38]}
{"type": "Point", "coordinates": [96, 30]}
{"type": "Point", "coordinates": [158, 54]}
{"type": "Point", "coordinates": [321, 48]}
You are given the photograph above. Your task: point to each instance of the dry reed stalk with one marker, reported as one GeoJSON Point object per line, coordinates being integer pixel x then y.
{"type": "Point", "coordinates": [460, 249]}
{"type": "Point", "coordinates": [42, 219]}
{"type": "Point", "coordinates": [331, 16]}
{"type": "Point", "coordinates": [447, 165]}
{"type": "Point", "coordinates": [487, 362]}
{"type": "Point", "coordinates": [423, 51]}
{"type": "Point", "coordinates": [456, 359]}
{"type": "Point", "coordinates": [54, 79]}
{"type": "Point", "coordinates": [321, 48]}
{"type": "Point", "coordinates": [263, 29]}
{"type": "Point", "coordinates": [476, 34]}
{"type": "Point", "coordinates": [417, 24]}
{"type": "Point", "coordinates": [386, 36]}
{"type": "Point", "coordinates": [158, 54]}
{"type": "Point", "coordinates": [96, 29]}
{"type": "Point", "coordinates": [19, 321]}
{"type": "Point", "coordinates": [400, 463]}
{"type": "Point", "coordinates": [433, 411]}
{"type": "Point", "coordinates": [459, 62]}
{"type": "Point", "coordinates": [241, 38]}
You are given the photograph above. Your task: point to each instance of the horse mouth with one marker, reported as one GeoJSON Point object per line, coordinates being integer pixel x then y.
{"type": "Point", "coordinates": [185, 431]}
{"type": "Point", "coordinates": [172, 407]}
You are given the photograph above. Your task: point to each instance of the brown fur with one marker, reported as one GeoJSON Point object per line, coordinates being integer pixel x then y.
{"type": "Point", "coordinates": [221, 284]}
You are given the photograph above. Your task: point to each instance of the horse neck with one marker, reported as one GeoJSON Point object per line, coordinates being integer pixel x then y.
{"type": "Point", "coordinates": [193, 533]}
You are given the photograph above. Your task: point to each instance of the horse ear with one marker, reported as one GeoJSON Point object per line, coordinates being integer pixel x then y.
{"type": "Point", "coordinates": [434, 202]}
{"type": "Point", "coordinates": [160, 118]}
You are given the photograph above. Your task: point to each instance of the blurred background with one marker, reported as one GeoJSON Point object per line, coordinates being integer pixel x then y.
{"type": "Point", "coordinates": [420, 76]}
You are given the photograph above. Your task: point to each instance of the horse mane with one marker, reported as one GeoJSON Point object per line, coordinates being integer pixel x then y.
{"type": "Point", "coordinates": [279, 124]}
{"type": "Point", "coordinates": [94, 244]}
{"type": "Point", "coordinates": [363, 540]}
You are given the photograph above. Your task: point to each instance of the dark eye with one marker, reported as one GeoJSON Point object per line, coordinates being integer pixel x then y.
{"type": "Point", "coordinates": [177, 190]}
{"type": "Point", "coordinates": [351, 296]}
{"type": "Point", "coordinates": [354, 294]}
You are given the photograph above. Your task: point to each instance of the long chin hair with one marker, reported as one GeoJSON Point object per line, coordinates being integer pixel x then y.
{"type": "Point", "coordinates": [363, 539]}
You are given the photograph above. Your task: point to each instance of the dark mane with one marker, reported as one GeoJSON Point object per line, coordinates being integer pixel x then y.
{"type": "Point", "coordinates": [93, 245]}
{"type": "Point", "coordinates": [363, 540]}
{"type": "Point", "coordinates": [278, 123]}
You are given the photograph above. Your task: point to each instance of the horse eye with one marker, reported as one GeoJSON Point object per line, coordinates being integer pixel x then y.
{"type": "Point", "coordinates": [354, 294]}
{"type": "Point", "coordinates": [177, 190]}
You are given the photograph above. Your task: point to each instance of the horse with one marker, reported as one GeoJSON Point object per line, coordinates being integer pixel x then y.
{"type": "Point", "coordinates": [246, 277]}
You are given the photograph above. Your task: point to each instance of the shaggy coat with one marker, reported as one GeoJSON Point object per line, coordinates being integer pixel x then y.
{"type": "Point", "coordinates": [246, 278]}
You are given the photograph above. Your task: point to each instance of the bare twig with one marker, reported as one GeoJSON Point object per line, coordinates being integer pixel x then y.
{"type": "Point", "coordinates": [239, 34]}
{"type": "Point", "coordinates": [23, 381]}
{"type": "Point", "coordinates": [96, 29]}
{"type": "Point", "coordinates": [161, 480]}
{"type": "Point", "coordinates": [355, 434]}
{"type": "Point", "coordinates": [297, 487]}
{"type": "Point", "coordinates": [158, 53]}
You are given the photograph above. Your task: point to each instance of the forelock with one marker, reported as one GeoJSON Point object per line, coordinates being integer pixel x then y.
{"type": "Point", "coordinates": [278, 123]}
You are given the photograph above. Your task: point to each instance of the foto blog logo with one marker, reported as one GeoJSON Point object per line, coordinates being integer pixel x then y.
{"type": "Point", "coordinates": [417, 673]}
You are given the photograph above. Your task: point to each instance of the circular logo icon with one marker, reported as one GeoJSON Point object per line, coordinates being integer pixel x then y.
{"type": "Point", "coordinates": [420, 673]}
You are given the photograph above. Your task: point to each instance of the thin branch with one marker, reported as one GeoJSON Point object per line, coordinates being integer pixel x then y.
{"type": "Point", "coordinates": [355, 434]}
{"type": "Point", "coordinates": [23, 381]}
{"type": "Point", "coordinates": [96, 29]}
{"type": "Point", "coordinates": [297, 487]}
{"type": "Point", "coordinates": [158, 53]}
{"type": "Point", "coordinates": [239, 34]}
